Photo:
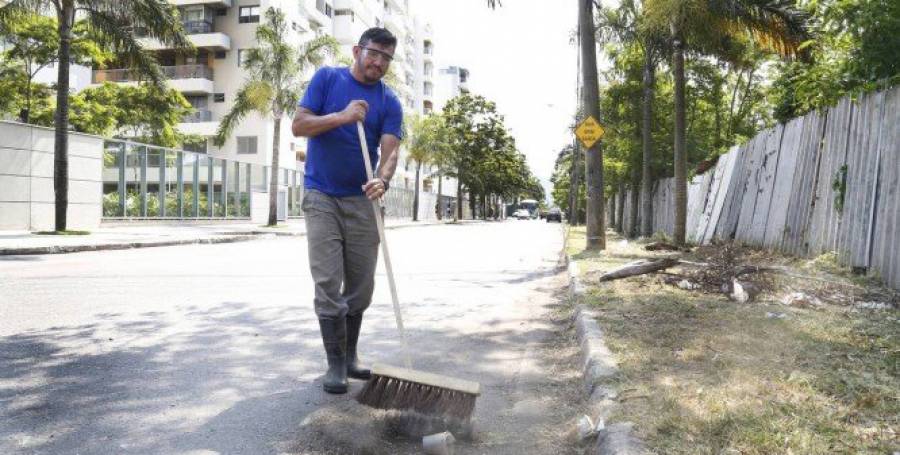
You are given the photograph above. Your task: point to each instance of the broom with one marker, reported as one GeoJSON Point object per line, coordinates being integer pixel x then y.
{"type": "Point", "coordinates": [404, 388]}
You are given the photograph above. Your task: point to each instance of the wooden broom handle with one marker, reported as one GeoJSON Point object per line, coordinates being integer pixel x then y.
{"type": "Point", "coordinates": [376, 206]}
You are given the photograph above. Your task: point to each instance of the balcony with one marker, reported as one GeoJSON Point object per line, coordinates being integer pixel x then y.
{"type": "Point", "coordinates": [197, 27]}
{"type": "Point", "coordinates": [201, 35]}
{"type": "Point", "coordinates": [199, 123]}
{"type": "Point", "coordinates": [213, 3]}
{"type": "Point", "coordinates": [199, 115]}
{"type": "Point", "coordinates": [394, 23]}
{"type": "Point", "coordinates": [204, 129]}
{"type": "Point", "coordinates": [316, 12]}
{"type": "Point", "coordinates": [184, 78]}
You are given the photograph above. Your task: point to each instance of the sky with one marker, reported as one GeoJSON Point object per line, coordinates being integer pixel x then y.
{"type": "Point", "coordinates": [518, 56]}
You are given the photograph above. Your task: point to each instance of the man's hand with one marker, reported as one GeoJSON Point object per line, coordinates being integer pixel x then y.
{"type": "Point", "coordinates": [375, 188]}
{"type": "Point", "coordinates": [355, 111]}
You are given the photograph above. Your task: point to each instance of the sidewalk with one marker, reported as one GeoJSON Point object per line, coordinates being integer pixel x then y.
{"type": "Point", "coordinates": [119, 236]}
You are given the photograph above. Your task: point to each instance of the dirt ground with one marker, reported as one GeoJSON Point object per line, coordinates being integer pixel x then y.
{"type": "Point", "coordinates": [810, 365]}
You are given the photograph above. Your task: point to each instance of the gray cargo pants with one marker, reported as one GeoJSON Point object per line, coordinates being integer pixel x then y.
{"type": "Point", "coordinates": [343, 252]}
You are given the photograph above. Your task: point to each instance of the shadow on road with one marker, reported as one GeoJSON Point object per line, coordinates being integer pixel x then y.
{"type": "Point", "coordinates": [231, 378]}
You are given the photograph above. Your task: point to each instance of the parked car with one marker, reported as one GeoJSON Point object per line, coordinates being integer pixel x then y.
{"type": "Point", "coordinates": [554, 215]}
{"type": "Point", "coordinates": [522, 214]}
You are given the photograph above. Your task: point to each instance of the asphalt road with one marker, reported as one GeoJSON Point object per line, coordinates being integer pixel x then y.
{"type": "Point", "coordinates": [215, 348]}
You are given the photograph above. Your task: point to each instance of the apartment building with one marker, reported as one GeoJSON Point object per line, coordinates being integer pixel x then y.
{"type": "Point", "coordinates": [450, 83]}
{"type": "Point", "coordinates": [222, 30]}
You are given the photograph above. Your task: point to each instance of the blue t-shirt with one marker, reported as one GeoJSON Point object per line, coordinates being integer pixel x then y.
{"type": "Point", "coordinates": [334, 163]}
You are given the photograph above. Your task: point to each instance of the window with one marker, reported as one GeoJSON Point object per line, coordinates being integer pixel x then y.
{"type": "Point", "coordinates": [221, 55]}
{"type": "Point", "coordinates": [202, 57]}
{"type": "Point", "coordinates": [345, 12]}
{"type": "Point", "coordinates": [248, 14]}
{"type": "Point", "coordinates": [196, 147]}
{"type": "Point", "coordinates": [221, 12]}
{"type": "Point", "coordinates": [219, 97]}
{"type": "Point", "coordinates": [246, 145]}
{"type": "Point", "coordinates": [242, 57]}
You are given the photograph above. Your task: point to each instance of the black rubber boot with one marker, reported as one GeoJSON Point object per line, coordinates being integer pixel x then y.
{"type": "Point", "coordinates": [354, 370]}
{"type": "Point", "coordinates": [334, 336]}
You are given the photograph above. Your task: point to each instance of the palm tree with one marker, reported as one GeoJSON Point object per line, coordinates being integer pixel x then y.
{"type": "Point", "coordinates": [702, 26]}
{"type": "Point", "coordinates": [590, 106]}
{"type": "Point", "coordinates": [626, 24]}
{"type": "Point", "coordinates": [273, 85]}
{"type": "Point", "coordinates": [426, 142]}
{"type": "Point", "coordinates": [113, 22]}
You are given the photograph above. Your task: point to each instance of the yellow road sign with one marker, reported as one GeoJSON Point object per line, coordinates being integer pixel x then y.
{"type": "Point", "coordinates": [589, 132]}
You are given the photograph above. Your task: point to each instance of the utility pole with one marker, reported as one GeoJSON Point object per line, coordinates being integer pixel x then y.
{"type": "Point", "coordinates": [590, 106]}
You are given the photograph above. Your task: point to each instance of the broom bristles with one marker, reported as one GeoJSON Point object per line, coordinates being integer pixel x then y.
{"type": "Point", "coordinates": [385, 392]}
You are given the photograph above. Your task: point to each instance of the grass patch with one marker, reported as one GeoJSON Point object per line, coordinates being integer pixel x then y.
{"type": "Point", "coordinates": [63, 232]}
{"type": "Point", "coordinates": [700, 374]}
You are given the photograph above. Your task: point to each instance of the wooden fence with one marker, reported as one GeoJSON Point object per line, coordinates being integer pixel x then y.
{"type": "Point", "coordinates": [827, 181]}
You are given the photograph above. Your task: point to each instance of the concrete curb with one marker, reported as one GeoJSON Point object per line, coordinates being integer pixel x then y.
{"type": "Point", "coordinates": [598, 365]}
{"type": "Point", "coordinates": [63, 249]}
{"type": "Point", "coordinates": [220, 237]}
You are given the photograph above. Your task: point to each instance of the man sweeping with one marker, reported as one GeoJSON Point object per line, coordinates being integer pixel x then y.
{"type": "Point", "coordinates": [340, 223]}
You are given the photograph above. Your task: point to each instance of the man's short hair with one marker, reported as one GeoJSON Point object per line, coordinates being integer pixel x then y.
{"type": "Point", "coordinates": [379, 36]}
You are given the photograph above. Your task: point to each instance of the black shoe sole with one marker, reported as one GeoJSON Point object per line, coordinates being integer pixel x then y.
{"type": "Point", "coordinates": [338, 390]}
{"type": "Point", "coordinates": [365, 376]}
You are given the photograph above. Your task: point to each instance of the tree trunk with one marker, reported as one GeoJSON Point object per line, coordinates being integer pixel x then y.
{"type": "Point", "coordinates": [633, 227]}
{"type": "Point", "coordinates": [26, 113]}
{"type": "Point", "coordinates": [590, 104]}
{"type": "Point", "coordinates": [415, 214]}
{"type": "Point", "coordinates": [612, 211]}
{"type": "Point", "coordinates": [680, 152]}
{"type": "Point", "coordinates": [472, 203]}
{"type": "Point", "coordinates": [734, 94]}
{"type": "Point", "coordinates": [739, 115]}
{"type": "Point", "coordinates": [61, 118]}
{"type": "Point", "coordinates": [440, 207]}
{"type": "Point", "coordinates": [719, 99]}
{"type": "Point", "coordinates": [484, 206]}
{"type": "Point", "coordinates": [459, 203]}
{"type": "Point", "coordinates": [573, 186]}
{"type": "Point", "coordinates": [620, 210]}
{"type": "Point", "coordinates": [647, 144]}
{"type": "Point", "coordinates": [273, 182]}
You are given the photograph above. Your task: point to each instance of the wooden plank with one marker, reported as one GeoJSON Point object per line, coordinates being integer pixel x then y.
{"type": "Point", "coordinates": [665, 202]}
{"type": "Point", "coordinates": [734, 196]}
{"type": "Point", "coordinates": [800, 208]}
{"type": "Point", "coordinates": [719, 193]}
{"type": "Point", "coordinates": [826, 217]}
{"type": "Point", "coordinates": [766, 184]}
{"type": "Point", "coordinates": [886, 240]}
{"type": "Point", "coordinates": [753, 166]}
{"type": "Point", "coordinates": [783, 183]}
{"type": "Point", "coordinates": [862, 165]}
{"type": "Point", "coordinates": [698, 198]}
{"type": "Point", "coordinates": [705, 210]}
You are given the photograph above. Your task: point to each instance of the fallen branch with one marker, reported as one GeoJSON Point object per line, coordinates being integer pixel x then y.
{"type": "Point", "coordinates": [639, 268]}
{"type": "Point", "coordinates": [663, 246]}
